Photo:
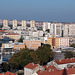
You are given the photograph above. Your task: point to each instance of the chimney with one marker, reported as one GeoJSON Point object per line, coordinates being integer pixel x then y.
{"type": "Point", "coordinates": [60, 60]}
{"type": "Point", "coordinates": [47, 66]}
{"type": "Point", "coordinates": [32, 63]}
{"type": "Point", "coordinates": [53, 70]}
{"type": "Point", "coordinates": [3, 73]}
{"type": "Point", "coordinates": [50, 70]}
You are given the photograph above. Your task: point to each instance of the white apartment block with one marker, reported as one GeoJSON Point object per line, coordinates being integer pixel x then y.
{"type": "Point", "coordinates": [64, 42]}
{"type": "Point", "coordinates": [45, 26]}
{"type": "Point", "coordinates": [66, 30]}
{"type": "Point", "coordinates": [23, 22]}
{"type": "Point", "coordinates": [55, 29]}
{"type": "Point", "coordinates": [5, 23]}
{"type": "Point", "coordinates": [72, 30]}
{"type": "Point", "coordinates": [14, 23]}
{"type": "Point", "coordinates": [32, 23]}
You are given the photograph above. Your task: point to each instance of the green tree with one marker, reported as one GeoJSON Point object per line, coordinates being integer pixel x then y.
{"type": "Point", "coordinates": [21, 39]}
{"type": "Point", "coordinates": [21, 58]}
{"type": "Point", "coordinates": [69, 54]}
{"type": "Point", "coordinates": [10, 26]}
{"type": "Point", "coordinates": [48, 30]}
{"type": "Point", "coordinates": [1, 26]}
{"type": "Point", "coordinates": [47, 45]}
{"type": "Point", "coordinates": [34, 56]}
{"type": "Point", "coordinates": [62, 34]}
{"type": "Point", "coordinates": [72, 45]}
{"type": "Point", "coordinates": [44, 54]}
{"type": "Point", "coordinates": [4, 67]}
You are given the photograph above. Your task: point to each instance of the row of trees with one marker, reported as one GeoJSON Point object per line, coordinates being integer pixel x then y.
{"type": "Point", "coordinates": [25, 56]}
{"type": "Point", "coordinates": [72, 45]}
{"type": "Point", "coordinates": [69, 54]}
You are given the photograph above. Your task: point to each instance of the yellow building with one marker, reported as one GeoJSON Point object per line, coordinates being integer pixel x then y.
{"type": "Point", "coordinates": [13, 36]}
{"type": "Point", "coordinates": [53, 41]}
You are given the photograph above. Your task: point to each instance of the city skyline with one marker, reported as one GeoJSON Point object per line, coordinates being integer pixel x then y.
{"type": "Point", "coordinates": [44, 10]}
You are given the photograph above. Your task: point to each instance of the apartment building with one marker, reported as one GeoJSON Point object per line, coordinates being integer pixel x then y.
{"type": "Point", "coordinates": [32, 44]}
{"type": "Point", "coordinates": [32, 23]}
{"type": "Point", "coordinates": [5, 24]}
{"type": "Point", "coordinates": [18, 46]}
{"type": "Point", "coordinates": [57, 42]}
{"type": "Point", "coordinates": [53, 41]}
{"type": "Point", "coordinates": [64, 42]}
{"type": "Point", "coordinates": [23, 22]}
{"type": "Point", "coordinates": [14, 36]}
{"type": "Point", "coordinates": [14, 24]}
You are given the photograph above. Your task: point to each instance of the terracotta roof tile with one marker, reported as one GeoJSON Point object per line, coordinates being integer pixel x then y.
{"type": "Point", "coordinates": [64, 61]}
{"type": "Point", "coordinates": [12, 34]}
{"type": "Point", "coordinates": [31, 66]}
{"type": "Point", "coordinates": [8, 73]}
{"type": "Point", "coordinates": [58, 72]}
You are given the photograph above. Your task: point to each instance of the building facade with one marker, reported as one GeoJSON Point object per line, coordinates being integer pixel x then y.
{"type": "Point", "coordinates": [32, 44]}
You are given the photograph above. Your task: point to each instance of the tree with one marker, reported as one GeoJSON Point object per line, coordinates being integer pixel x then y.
{"type": "Point", "coordinates": [10, 26]}
{"type": "Point", "coordinates": [1, 26]}
{"type": "Point", "coordinates": [21, 39]}
{"type": "Point", "coordinates": [20, 58]}
{"type": "Point", "coordinates": [62, 34]}
{"type": "Point", "coordinates": [41, 56]}
{"type": "Point", "coordinates": [44, 54]}
{"type": "Point", "coordinates": [47, 45]}
{"type": "Point", "coordinates": [72, 45]}
{"type": "Point", "coordinates": [69, 54]}
{"type": "Point", "coordinates": [48, 30]}
{"type": "Point", "coordinates": [4, 67]}
{"type": "Point", "coordinates": [34, 57]}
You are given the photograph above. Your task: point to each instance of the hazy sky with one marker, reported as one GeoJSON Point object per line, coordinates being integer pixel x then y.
{"type": "Point", "coordinates": [39, 10]}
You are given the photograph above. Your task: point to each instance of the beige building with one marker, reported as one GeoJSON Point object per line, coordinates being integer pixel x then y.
{"type": "Point", "coordinates": [13, 36]}
{"type": "Point", "coordinates": [14, 23]}
{"type": "Point", "coordinates": [19, 46]}
{"type": "Point", "coordinates": [5, 23]}
{"type": "Point", "coordinates": [32, 23]}
{"type": "Point", "coordinates": [32, 44]}
{"type": "Point", "coordinates": [23, 24]}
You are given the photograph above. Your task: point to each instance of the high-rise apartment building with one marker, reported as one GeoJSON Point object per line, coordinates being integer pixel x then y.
{"type": "Point", "coordinates": [23, 24]}
{"type": "Point", "coordinates": [45, 26]}
{"type": "Point", "coordinates": [14, 23]}
{"type": "Point", "coordinates": [56, 29]}
{"type": "Point", "coordinates": [32, 23]}
{"type": "Point", "coordinates": [5, 23]}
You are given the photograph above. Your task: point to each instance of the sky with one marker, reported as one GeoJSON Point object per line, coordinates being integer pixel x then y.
{"type": "Point", "coordinates": [38, 10]}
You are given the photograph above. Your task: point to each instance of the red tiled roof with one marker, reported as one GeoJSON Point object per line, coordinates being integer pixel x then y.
{"type": "Point", "coordinates": [12, 34]}
{"type": "Point", "coordinates": [2, 31]}
{"type": "Point", "coordinates": [72, 66]}
{"type": "Point", "coordinates": [50, 67]}
{"type": "Point", "coordinates": [31, 66]}
{"type": "Point", "coordinates": [64, 61]}
{"type": "Point", "coordinates": [58, 72]}
{"type": "Point", "coordinates": [6, 73]}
